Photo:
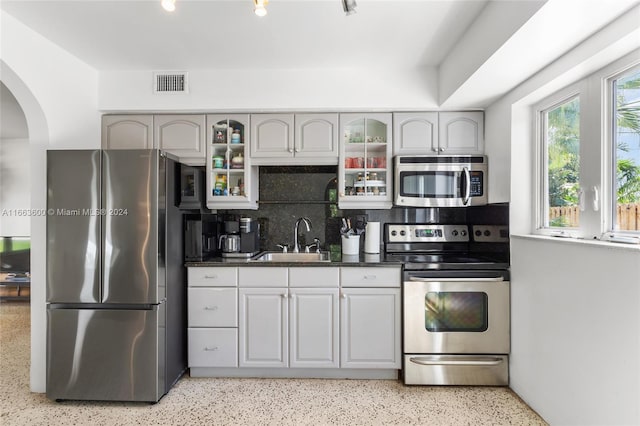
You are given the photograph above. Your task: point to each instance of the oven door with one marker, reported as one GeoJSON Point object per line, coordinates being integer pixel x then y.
{"type": "Point", "coordinates": [456, 315]}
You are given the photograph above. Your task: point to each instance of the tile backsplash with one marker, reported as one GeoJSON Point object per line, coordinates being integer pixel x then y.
{"type": "Point", "coordinates": [291, 192]}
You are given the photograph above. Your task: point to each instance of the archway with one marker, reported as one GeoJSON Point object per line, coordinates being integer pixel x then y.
{"type": "Point", "coordinates": [38, 144]}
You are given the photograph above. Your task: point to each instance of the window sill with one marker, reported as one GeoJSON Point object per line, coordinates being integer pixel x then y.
{"type": "Point", "coordinates": [579, 241]}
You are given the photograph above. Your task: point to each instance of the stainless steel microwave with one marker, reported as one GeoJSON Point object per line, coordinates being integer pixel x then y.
{"type": "Point", "coordinates": [440, 181]}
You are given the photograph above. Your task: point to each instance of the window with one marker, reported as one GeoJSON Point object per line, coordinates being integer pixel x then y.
{"type": "Point", "coordinates": [625, 147]}
{"type": "Point", "coordinates": [561, 165]}
{"type": "Point", "coordinates": [588, 162]}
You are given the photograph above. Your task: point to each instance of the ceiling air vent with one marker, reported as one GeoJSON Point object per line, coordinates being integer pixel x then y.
{"type": "Point", "coordinates": [170, 82]}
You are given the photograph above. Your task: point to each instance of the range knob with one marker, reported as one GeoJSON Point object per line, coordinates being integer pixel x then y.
{"type": "Point", "coordinates": [394, 233]}
{"type": "Point", "coordinates": [487, 233]}
{"type": "Point", "coordinates": [478, 233]}
{"type": "Point", "coordinates": [454, 233]}
{"type": "Point", "coordinates": [463, 233]}
{"type": "Point", "coordinates": [403, 233]}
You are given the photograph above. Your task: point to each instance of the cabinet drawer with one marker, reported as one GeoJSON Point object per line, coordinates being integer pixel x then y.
{"type": "Point", "coordinates": [213, 347]}
{"type": "Point", "coordinates": [314, 277]}
{"type": "Point", "coordinates": [263, 277]}
{"type": "Point", "coordinates": [212, 276]}
{"type": "Point", "coordinates": [370, 277]}
{"type": "Point", "coordinates": [213, 307]}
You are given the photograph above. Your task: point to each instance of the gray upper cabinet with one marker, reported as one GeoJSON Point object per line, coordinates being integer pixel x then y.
{"type": "Point", "coordinates": [127, 131]}
{"type": "Point", "coordinates": [182, 136]}
{"type": "Point", "coordinates": [415, 133]}
{"type": "Point", "coordinates": [179, 134]}
{"type": "Point", "coordinates": [294, 139]}
{"type": "Point", "coordinates": [438, 133]}
{"type": "Point", "coordinates": [271, 136]}
{"type": "Point", "coordinates": [461, 132]}
{"type": "Point", "coordinates": [316, 136]}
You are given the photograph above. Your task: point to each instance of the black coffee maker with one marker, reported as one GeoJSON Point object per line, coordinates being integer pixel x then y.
{"type": "Point", "coordinates": [200, 236]}
{"type": "Point", "coordinates": [249, 235]}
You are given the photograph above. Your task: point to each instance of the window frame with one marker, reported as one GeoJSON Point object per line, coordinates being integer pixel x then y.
{"type": "Point", "coordinates": [609, 156]}
{"type": "Point", "coordinates": [541, 180]}
{"type": "Point", "coordinates": [598, 197]}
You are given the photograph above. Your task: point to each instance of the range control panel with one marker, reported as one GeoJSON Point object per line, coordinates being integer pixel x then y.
{"type": "Point", "coordinates": [416, 233]}
{"type": "Point", "coordinates": [490, 234]}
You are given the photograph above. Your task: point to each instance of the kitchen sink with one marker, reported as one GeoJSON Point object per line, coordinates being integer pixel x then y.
{"type": "Point", "coordinates": [278, 256]}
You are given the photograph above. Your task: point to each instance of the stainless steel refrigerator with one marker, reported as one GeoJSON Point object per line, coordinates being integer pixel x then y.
{"type": "Point", "coordinates": [116, 284]}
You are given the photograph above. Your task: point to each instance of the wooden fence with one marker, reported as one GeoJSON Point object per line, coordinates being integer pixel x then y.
{"type": "Point", "coordinates": [627, 216]}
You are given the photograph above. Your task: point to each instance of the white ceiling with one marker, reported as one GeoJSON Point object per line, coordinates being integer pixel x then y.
{"type": "Point", "coordinates": [482, 48]}
{"type": "Point", "coordinates": [137, 35]}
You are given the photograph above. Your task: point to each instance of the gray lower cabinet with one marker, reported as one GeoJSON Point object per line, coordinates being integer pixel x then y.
{"type": "Point", "coordinates": [293, 326]}
{"type": "Point", "coordinates": [213, 347]}
{"type": "Point", "coordinates": [370, 317]}
{"type": "Point", "coordinates": [264, 318]}
{"type": "Point", "coordinates": [302, 318]}
{"type": "Point", "coordinates": [212, 316]}
{"type": "Point", "coordinates": [370, 328]}
{"type": "Point", "coordinates": [313, 328]}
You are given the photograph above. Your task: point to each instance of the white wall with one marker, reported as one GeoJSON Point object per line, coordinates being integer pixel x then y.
{"type": "Point", "coordinates": [58, 94]}
{"type": "Point", "coordinates": [575, 331]}
{"type": "Point", "coordinates": [14, 179]}
{"type": "Point", "coordinates": [275, 89]}
{"type": "Point", "coordinates": [575, 305]}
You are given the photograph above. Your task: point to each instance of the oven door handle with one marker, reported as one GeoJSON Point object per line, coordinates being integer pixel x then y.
{"type": "Point", "coordinates": [434, 279]}
{"type": "Point", "coordinates": [467, 186]}
{"type": "Point", "coordinates": [458, 360]}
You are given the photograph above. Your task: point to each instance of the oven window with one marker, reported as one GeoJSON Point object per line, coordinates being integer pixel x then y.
{"type": "Point", "coordinates": [456, 311]}
{"type": "Point", "coordinates": [430, 184]}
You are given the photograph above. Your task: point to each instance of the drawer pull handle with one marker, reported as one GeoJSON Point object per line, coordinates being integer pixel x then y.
{"type": "Point", "coordinates": [210, 349]}
{"type": "Point", "coordinates": [369, 277]}
{"type": "Point", "coordinates": [211, 277]}
{"type": "Point", "coordinates": [210, 308]}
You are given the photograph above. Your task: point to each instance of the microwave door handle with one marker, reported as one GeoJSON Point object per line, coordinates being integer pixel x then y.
{"type": "Point", "coordinates": [467, 186]}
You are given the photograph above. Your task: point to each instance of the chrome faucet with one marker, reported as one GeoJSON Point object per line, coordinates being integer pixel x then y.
{"type": "Point", "coordinates": [307, 222]}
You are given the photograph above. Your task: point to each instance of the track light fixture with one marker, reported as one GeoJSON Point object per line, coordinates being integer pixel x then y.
{"type": "Point", "coordinates": [349, 6]}
{"type": "Point", "coordinates": [259, 7]}
{"type": "Point", "coordinates": [169, 5]}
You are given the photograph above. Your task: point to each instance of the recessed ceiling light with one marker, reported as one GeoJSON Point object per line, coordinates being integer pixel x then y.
{"type": "Point", "coordinates": [259, 7]}
{"type": "Point", "coordinates": [349, 6]}
{"type": "Point", "coordinates": [169, 5]}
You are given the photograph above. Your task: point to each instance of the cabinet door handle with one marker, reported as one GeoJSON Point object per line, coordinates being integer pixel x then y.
{"type": "Point", "coordinates": [285, 296]}
{"type": "Point", "coordinates": [210, 308]}
{"type": "Point", "coordinates": [342, 295]}
{"type": "Point", "coordinates": [210, 349]}
{"type": "Point", "coordinates": [441, 149]}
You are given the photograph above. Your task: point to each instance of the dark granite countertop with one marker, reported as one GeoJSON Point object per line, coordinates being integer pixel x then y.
{"type": "Point", "coordinates": [362, 259]}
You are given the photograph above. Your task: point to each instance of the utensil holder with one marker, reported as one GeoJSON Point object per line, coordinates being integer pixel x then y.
{"type": "Point", "coordinates": [350, 244]}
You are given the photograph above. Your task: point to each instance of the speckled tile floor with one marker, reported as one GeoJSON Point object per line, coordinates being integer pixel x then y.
{"type": "Point", "coordinates": [197, 401]}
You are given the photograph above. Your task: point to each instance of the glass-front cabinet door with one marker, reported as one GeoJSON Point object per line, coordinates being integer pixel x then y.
{"type": "Point", "coordinates": [232, 182]}
{"type": "Point", "coordinates": [365, 175]}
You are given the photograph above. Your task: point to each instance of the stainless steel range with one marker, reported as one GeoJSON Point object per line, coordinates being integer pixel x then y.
{"type": "Point", "coordinates": [455, 302]}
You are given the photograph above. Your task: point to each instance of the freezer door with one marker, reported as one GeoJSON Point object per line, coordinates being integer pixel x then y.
{"type": "Point", "coordinates": [105, 354]}
{"type": "Point", "coordinates": [130, 195]}
{"type": "Point", "coordinates": [73, 226]}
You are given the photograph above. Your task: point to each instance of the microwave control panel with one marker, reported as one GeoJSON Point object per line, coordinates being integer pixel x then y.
{"type": "Point", "coordinates": [476, 179]}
